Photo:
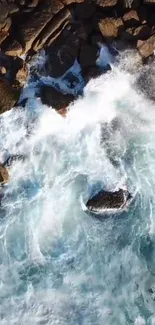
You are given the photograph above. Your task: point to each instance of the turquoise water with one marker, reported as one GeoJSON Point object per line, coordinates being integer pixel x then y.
{"type": "Point", "coordinates": [57, 264]}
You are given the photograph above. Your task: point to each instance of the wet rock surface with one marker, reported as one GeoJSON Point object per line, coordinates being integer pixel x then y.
{"type": "Point", "coordinates": [108, 200]}
{"type": "Point", "coordinates": [55, 99]}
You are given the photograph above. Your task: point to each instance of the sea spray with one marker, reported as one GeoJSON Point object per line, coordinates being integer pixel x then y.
{"type": "Point", "coordinates": [57, 264]}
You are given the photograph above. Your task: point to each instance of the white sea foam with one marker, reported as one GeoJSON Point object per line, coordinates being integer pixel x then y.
{"type": "Point", "coordinates": [57, 264]}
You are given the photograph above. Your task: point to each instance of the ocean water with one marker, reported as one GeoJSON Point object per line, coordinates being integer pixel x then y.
{"type": "Point", "coordinates": [59, 265]}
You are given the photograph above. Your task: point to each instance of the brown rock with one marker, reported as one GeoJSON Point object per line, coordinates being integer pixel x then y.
{"type": "Point", "coordinates": [4, 175]}
{"type": "Point", "coordinates": [38, 21]}
{"type": "Point", "coordinates": [68, 2]}
{"type": "Point", "coordinates": [87, 56]}
{"type": "Point", "coordinates": [3, 36]}
{"type": "Point", "coordinates": [2, 70]}
{"type": "Point", "coordinates": [107, 3]}
{"type": "Point", "coordinates": [8, 95]}
{"type": "Point", "coordinates": [134, 33]}
{"type": "Point", "coordinates": [131, 18]}
{"type": "Point", "coordinates": [85, 10]}
{"type": "Point", "coordinates": [14, 49]}
{"type": "Point", "coordinates": [6, 25]}
{"type": "Point", "coordinates": [110, 27]}
{"type": "Point", "coordinates": [56, 24]}
{"type": "Point", "coordinates": [149, 2]}
{"type": "Point", "coordinates": [146, 48]}
{"type": "Point", "coordinates": [52, 97]}
{"type": "Point", "coordinates": [22, 75]}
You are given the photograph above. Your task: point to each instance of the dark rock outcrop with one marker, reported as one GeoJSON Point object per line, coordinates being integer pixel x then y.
{"type": "Point", "coordinates": [108, 200]}
{"type": "Point", "coordinates": [9, 96]}
{"type": "Point", "coordinates": [55, 99]}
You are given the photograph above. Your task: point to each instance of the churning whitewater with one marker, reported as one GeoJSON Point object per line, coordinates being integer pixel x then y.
{"type": "Point", "coordinates": [59, 265]}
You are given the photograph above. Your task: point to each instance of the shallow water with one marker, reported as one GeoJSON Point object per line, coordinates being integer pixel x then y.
{"type": "Point", "coordinates": [57, 264]}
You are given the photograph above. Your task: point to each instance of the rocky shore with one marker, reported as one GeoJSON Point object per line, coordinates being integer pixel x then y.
{"type": "Point", "coordinates": [67, 30]}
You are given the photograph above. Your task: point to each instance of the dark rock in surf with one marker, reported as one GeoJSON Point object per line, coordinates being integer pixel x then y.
{"type": "Point", "coordinates": [108, 200]}
{"type": "Point", "coordinates": [54, 98]}
{"type": "Point", "coordinates": [12, 159]}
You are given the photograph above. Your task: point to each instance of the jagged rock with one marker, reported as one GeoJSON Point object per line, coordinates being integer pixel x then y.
{"type": "Point", "coordinates": [85, 10]}
{"type": "Point", "coordinates": [146, 47]}
{"type": "Point", "coordinates": [108, 200]}
{"type": "Point", "coordinates": [106, 3]}
{"type": "Point", "coordinates": [55, 27]}
{"type": "Point", "coordinates": [54, 98]}
{"type": "Point", "coordinates": [87, 56]}
{"type": "Point", "coordinates": [8, 95]}
{"type": "Point", "coordinates": [110, 27]}
{"type": "Point", "coordinates": [61, 56]}
{"type": "Point", "coordinates": [142, 33]}
{"type": "Point", "coordinates": [131, 18]}
{"type": "Point", "coordinates": [14, 49]}
{"type": "Point", "coordinates": [4, 175]}
{"type": "Point", "coordinates": [41, 17]}
{"type": "Point", "coordinates": [83, 31]}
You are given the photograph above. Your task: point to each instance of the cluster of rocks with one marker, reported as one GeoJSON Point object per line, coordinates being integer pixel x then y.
{"type": "Point", "coordinates": [67, 30]}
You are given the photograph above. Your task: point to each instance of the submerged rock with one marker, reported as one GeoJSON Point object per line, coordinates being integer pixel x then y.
{"type": "Point", "coordinates": [108, 200]}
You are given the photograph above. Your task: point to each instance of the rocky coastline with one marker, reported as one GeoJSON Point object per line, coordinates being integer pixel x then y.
{"type": "Point", "coordinates": [67, 31]}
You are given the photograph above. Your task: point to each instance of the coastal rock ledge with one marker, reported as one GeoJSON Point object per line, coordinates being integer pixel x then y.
{"type": "Point", "coordinates": [68, 30]}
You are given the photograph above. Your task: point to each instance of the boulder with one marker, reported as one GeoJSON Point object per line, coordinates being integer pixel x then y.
{"type": "Point", "coordinates": [146, 47]}
{"type": "Point", "coordinates": [4, 175]}
{"type": "Point", "coordinates": [55, 99]}
{"type": "Point", "coordinates": [108, 200]}
{"type": "Point", "coordinates": [53, 29]}
{"type": "Point", "coordinates": [131, 18]}
{"type": "Point", "coordinates": [61, 56]}
{"type": "Point", "coordinates": [87, 56]}
{"type": "Point", "coordinates": [93, 72]}
{"type": "Point", "coordinates": [134, 33]}
{"type": "Point", "coordinates": [106, 3]}
{"type": "Point", "coordinates": [14, 49]}
{"type": "Point", "coordinates": [84, 10]}
{"type": "Point", "coordinates": [110, 27]}
{"type": "Point", "coordinates": [8, 95]}
{"type": "Point", "coordinates": [37, 22]}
